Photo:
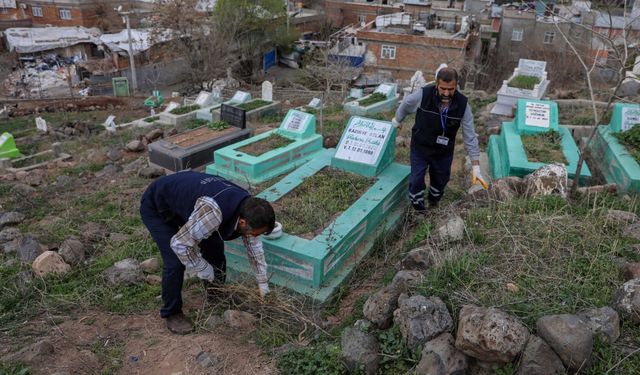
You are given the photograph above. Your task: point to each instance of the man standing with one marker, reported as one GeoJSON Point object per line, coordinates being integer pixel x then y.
{"type": "Point", "coordinates": [190, 209]}
{"type": "Point", "coordinates": [440, 111]}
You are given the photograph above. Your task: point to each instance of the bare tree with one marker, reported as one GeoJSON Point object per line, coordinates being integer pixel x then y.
{"type": "Point", "coordinates": [324, 71]}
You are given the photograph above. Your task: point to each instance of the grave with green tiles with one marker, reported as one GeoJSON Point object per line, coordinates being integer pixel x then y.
{"type": "Point", "coordinates": [383, 99]}
{"type": "Point", "coordinates": [270, 154]}
{"type": "Point", "coordinates": [615, 160]}
{"type": "Point", "coordinates": [209, 112]}
{"type": "Point", "coordinates": [535, 127]}
{"type": "Point", "coordinates": [321, 242]}
{"type": "Point", "coordinates": [8, 147]}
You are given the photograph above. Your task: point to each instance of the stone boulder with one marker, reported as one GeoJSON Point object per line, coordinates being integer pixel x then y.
{"type": "Point", "coordinates": [627, 300]}
{"type": "Point", "coordinates": [621, 217]}
{"type": "Point", "coordinates": [72, 251]}
{"type": "Point", "coordinates": [421, 319]}
{"type": "Point", "coordinates": [633, 231]}
{"type": "Point", "coordinates": [360, 350]}
{"type": "Point", "coordinates": [405, 279]}
{"type": "Point", "coordinates": [49, 262]}
{"type": "Point", "coordinates": [22, 190]}
{"type": "Point", "coordinates": [238, 319]}
{"type": "Point", "coordinates": [490, 334]}
{"type": "Point", "coordinates": [569, 337]}
{"type": "Point", "coordinates": [631, 271]}
{"type": "Point", "coordinates": [150, 265]}
{"type": "Point", "coordinates": [135, 165]}
{"type": "Point", "coordinates": [502, 191]}
{"type": "Point", "coordinates": [379, 306]}
{"type": "Point", "coordinates": [11, 218]}
{"type": "Point", "coordinates": [604, 320]}
{"type": "Point", "coordinates": [151, 172]}
{"type": "Point", "coordinates": [539, 359]}
{"type": "Point", "coordinates": [94, 232]}
{"type": "Point", "coordinates": [450, 229]}
{"type": "Point", "coordinates": [124, 272]}
{"type": "Point", "coordinates": [28, 249]}
{"type": "Point", "coordinates": [440, 357]}
{"type": "Point", "coordinates": [135, 146]}
{"type": "Point", "coordinates": [9, 234]}
{"type": "Point", "coordinates": [547, 180]}
{"type": "Point", "coordinates": [113, 154]}
{"type": "Point", "coordinates": [416, 259]}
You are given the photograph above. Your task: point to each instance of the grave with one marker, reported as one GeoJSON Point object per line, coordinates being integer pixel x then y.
{"type": "Point", "coordinates": [207, 113]}
{"type": "Point", "coordinates": [194, 148]}
{"type": "Point", "coordinates": [8, 147]}
{"type": "Point", "coordinates": [613, 159]}
{"type": "Point", "coordinates": [369, 105]}
{"type": "Point", "coordinates": [313, 107]}
{"type": "Point", "coordinates": [179, 115]}
{"type": "Point", "coordinates": [297, 127]}
{"type": "Point", "coordinates": [255, 108]}
{"type": "Point", "coordinates": [507, 155]}
{"type": "Point", "coordinates": [508, 96]}
{"type": "Point", "coordinates": [355, 93]}
{"type": "Point", "coordinates": [29, 162]}
{"type": "Point", "coordinates": [316, 263]}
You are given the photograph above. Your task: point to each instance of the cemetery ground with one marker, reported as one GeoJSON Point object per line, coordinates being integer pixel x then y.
{"type": "Point", "coordinates": [529, 257]}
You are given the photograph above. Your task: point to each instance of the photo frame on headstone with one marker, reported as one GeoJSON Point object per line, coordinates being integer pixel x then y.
{"type": "Point", "coordinates": [233, 116]}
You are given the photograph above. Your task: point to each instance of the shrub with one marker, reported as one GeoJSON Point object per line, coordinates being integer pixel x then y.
{"type": "Point", "coordinates": [523, 82]}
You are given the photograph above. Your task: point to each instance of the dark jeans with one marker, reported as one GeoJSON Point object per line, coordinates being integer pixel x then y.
{"type": "Point", "coordinates": [212, 250]}
{"type": "Point", "coordinates": [439, 172]}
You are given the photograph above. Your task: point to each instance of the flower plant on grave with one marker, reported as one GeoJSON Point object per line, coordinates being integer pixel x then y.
{"type": "Point", "coordinates": [185, 109]}
{"type": "Point", "coordinates": [371, 99]}
{"type": "Point", "coordinates": [631, 141]}
{"type": "Point", "coordinates": [254, 104]}
{"type": "Point", "coordinates": [544, 147]}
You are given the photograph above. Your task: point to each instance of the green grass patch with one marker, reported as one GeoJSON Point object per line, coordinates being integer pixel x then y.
{"type": "Point", "coordinates": [184, 109]}
{"type": "Point", "coordinates": [321, 359]}
{"type": "Point", "coordinates": [14, 369]}
{"type": "Point", "coordinates": [218, 125]}
{"type": "Point", "coordinates": [396, 358]}
{"type": "Point", "coordinates": [152, 119]}
{"type": "Point", "coordinates": [254, 104]}
{"type": "Point", "coordinates": [631, 141]}
{"type": "Point", "coordinates": [523, 82]}
{"type": "Point", "coordinates": [195, 123]}
{"type": "Point", "coordinates": [371, 99]}
{"type": "Point", "coordinates": [544, 147]}
{"type": "Point", "coordinates": [272, 142]}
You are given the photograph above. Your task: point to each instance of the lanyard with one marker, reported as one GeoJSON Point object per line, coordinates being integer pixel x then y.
{"type": "Point", "coordinates": [443, 120]}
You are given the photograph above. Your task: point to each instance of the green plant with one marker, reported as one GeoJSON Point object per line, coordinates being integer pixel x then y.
{"type": "Point", "coordinates": [544, 147]}
{"type": "Point", "coordinates": [631, 141]}
{"type": "Point", "coordinates": [184, 109]}
{"type": "Point", "coordinates": [396, 358]}
{"type": "Point", "coordinates": [272, 142]}
{"type": "Point", "coordinates": [373, 98]}
{"type": "Point", "coordinates": [523, 82]}
{"type": "Point", "coordinates": [152, 119]}
{"type": "Point", "coordinates": [218, 125]}
{"type": "Point", "coordinates": [322, 359]}
{"type": "Point", "coordinates": [254, 104]}
{"type": "Point", "coordinates": [13, 369]}
{"type": "Point", "coordinates": [195, 123]}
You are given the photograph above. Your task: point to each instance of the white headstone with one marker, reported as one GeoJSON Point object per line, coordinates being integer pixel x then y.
{"type": "Point", "coordinates": [4, 113]}
{"type": "Point", "coordinates": [171, 106]}
{"type": "Point", "coordinates": [241, 97]}
{"type": "Point", "coordinates": [202, 99]}
{"type": "Point", "coordinates": [363, 140]}
{"type": "Point", "coordinates": [630, 118]}
{"type": "Point", "coordinates": [110, 124]}
{"type": "Point", "coordinates": [216, 92]}
{"type": "Point", "coordinates": [3, 138]}
{"type": "Point", "coordinates": [175, 94]}
{"type": "Point", "coordinates": [152, 111]}
{"type": "Point", "coordinates": [41, 124]}
{"type": "Point", "coordinates": [537, 114]}
{"type": "Point", "coordinates": [356, 93]}
{"type": "Point", "coordinates": [531, 67]}
{"type": "Point", "coordinates": [314, 103]}
{"type": "Point", "coordinates": [385, 89]}
{"type": "Point", "coordinates": [417, 81]}
{"type": "Point", "coordinates": [296, 121]}
{"type": "Point", "coordinates": [267, 91]}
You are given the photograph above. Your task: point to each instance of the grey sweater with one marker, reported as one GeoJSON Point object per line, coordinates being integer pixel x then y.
{"type": "Point", "coordinates": [410, 105]}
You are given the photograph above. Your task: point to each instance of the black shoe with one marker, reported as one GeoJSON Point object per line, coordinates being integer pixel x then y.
{"type": "Point", "coordinates": [434, 204]}
{"type": "Point", "coordinates": [179, 324]}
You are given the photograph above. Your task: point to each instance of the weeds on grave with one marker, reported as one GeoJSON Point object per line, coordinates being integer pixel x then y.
{"type": "Point", "coordinates": [254, 104]}
{"type": "Point", "coordinates": [218, 125]}
{"type": "Point", "coordinates": [195, 123]}
{"type": "Point", "coordinates": [544, 147]}
{"type": "Point", "coordinates": [272, 142]}
{"type": "Point", "coordinates": [395, 357]}
{"type": "Point", "coordinates": [184, 109]}
{"type": "Point", "coordinates": [631, 141]}
{"type": "Point", "coordinates": [14, 369]}
{"type": "Point", "coordinates": [523, 82]}
{"type": "Point", "coordinates": [321, 359]}
{"type": "Point", "coordinates": [152, 119]}
{"type": "Point", "coordinates": [371, 99]}
{"type": "Point", "coordinates": [609, 359]}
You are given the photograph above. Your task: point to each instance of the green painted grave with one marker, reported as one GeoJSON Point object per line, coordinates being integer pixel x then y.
{"type": "Point", "coordinates": [317, 266]}
{"type": "Point", "coordinates": [614, 160]}
{"type": "Point", "coordinates": [507, 156]}
{"type": "Point", "coordinates": [300, 127]}
{"type": "Point", "coordinates": [8, 147]}
{"type": "Point", "coordinates": [389, 104]}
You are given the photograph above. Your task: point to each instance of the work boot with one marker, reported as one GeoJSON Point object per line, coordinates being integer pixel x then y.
{"type": "Point", "coordinates": [179, 323]}
{"type": "Point", "coordinates": [433, 205]}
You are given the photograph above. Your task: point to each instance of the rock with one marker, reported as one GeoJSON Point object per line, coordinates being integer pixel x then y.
{"type": "Point", "coordinates": [539, 359]}
{"type": "Point", "coordinates": [633, 231]}
{"type": "Point", "coordinates": [135, 146]}
{"type": "Point", "coordinates": [213, 322]}
{"type": "Point", "coordinates": [119, 237]}
{"type": "Point", "coordinates": [631, 271]}
{"type": "Point", "coordinates": [569, 337]}
{"type": "Point", "coordinates": [153, 279]}
{"type": "Point", "coordinates": [153, 135]}
{"type": "Point", "coordinates": [416, 259]}
{"type": "Point", "coordinates": [49, 262]}
{"type": "Point", "coordinates": [502, 191]}
{"type": "Point", "coordinates": [135, 166]}
{"type": "Point", "coordinates": [477, 193]}
{"type": "Point", "coordinates": [151, 172]}
{"type": "Point", "coordinates": [363, 324]}
{"type": "Point", "coordinates": [33, 353]}
{"type": "Point", "coordinates": [421, 319]}
{"type": "Point", "coordinates": [35, 177]}
{"type": "Point", "coordinates": [28, 249]}
{"type": "Point", "coordinates": [89, 361]}
{"type": "Point", "coordinates": [24, 279]}
{"type": "Point", "coordinates": [72, 251]}
{"type": "Point", "coordinates": [329, 142]}
{"type": "Point", "coordinates": [95, 157]}
{"type": "Point", "coordinates": [150, 265]}
{"type": "Point", "coordinates": [621, 217]}
{"type": "Point", "coordinates": [451, 230]}
{"type": "Point", "coordinates": [360, 350]}
{"type": "Point", "coordinates": [440, 357]}
{"type": "Point", "coordinates": [114, 154]}
{"type": "Point", "coordinates": [604, 320]}
{"type": "Point", "coordinates": [22, 189]}
{"type": "Point", "coordinates": [206, 360]}
{"type": "Point", "coordinates": [109, 170]}
{"type": "Point", "coordinates": [126, 271]}
{"type": "Point", "coordinates": [11, 218]}
{"type": "Point", "coordinates": [627, 300]}
{"type": "Point", "coordinates": [547, 180]}
{"type": "Point", "coordinates": [11, 246]}
{"type": "Point", "coordinates": [490, 334]}
{"type": "Point", "coordinates": [94, 232]}
{"type": "Point", "coordinates": [238, 319]}
{"type": "Point", "coordinates": [379, 306]}
{"type": "Point", "coordinates": [9, 234]}
{"type": "Point", "coordinates": [64, 181]}
{"type": "Point", "coordinates": [513, 288]}
{"type": "Point", "coordinates": [407, 279]}
{"type": "Point", "coordinates": [401, 141]}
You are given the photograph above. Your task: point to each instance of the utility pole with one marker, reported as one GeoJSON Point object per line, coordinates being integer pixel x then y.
{"type": "Point", "coordinates": [132, 63]}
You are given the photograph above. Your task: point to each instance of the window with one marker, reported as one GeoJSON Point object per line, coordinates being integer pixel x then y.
{"type": "Point", "coordinates": [362, 19]}
{"type": "Point", "coordinates": [4, 10]}
{"type": "Point", "coordinates": [516, 35]}
{"type": "Point", "coordinates": [36, 11]}
{"type": "Point", "coordinates": [388, 52]}
{"type": "Point", "coordinates": [65, 14]}
{"type": "Point", "coordinates": [548, 37]}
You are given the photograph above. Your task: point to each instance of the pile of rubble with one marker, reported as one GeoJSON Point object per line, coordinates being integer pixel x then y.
{"type": "Point", "coordinates": [50, 75]}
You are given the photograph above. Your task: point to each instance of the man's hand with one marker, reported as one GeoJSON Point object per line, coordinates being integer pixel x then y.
{"type": "Point", "coordinates": [395, 123]}
{"type": "Point", "coordinates": [264, 289]}
{"type": "Point", "coordinates": [476, 177]}
{"type": "Point", "coordinates": [207, 273]}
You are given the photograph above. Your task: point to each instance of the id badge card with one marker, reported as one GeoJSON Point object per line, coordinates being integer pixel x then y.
{"type": "Point", "coordinates": [441, 140]}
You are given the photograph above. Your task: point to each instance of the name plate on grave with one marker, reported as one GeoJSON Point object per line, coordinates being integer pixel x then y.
{"type": "Point", "coordinates": [241, 97]}
{"type": "Point", "coordinates": [630, 118]}
{"type": "Point", "coordinates": [296, 121]}
{"type": "Point", "coordinates": [314, 103]}
{"type": "Point", "coordinates": [233, 116]}
{"type": "Point", "coordinates": [537, 114]}
{"type": "Point", "coordinates": [363, 141]}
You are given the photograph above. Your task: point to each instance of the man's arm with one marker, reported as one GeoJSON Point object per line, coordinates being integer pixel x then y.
{"type": "Point", "coordinates": [204, 220]}
{"type": "Point", "coordinates": [409, 105]}
{"type": "Point", "coordinates": [255, 253]}
{"type": "Point", "coordinates": [470, 137]}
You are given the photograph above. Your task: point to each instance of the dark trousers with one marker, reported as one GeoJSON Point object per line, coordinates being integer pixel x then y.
{"type": "Point", "coordinates": [439, 172]}
{"type": "Point", "coordinates": [212, 250]}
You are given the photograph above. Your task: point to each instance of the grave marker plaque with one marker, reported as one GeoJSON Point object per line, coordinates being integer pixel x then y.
{"type": "Point", "coordinates": [537, 114]}
{"type": "Point", "coordinates": [171, 106]}
{"type": "Point", "coordinates": [363, 141]}
{"type": "Point", "coordinates": [314, 103]}
{"type": "Point", "coordinates": [110, 124]}
{"type": "Point", "coordinates": [233, 116]}
{"type": "Point", "coordinates": [41, 124]}
{"type": "Point", "coordinates": [531, 67]}
{"type": "Point", "coordinates": [267, 91]}
{"type": "Point", "coordinates": [630, 118]}
{"type": "Point", "coordinates": [296, 121]}
{"type": "Point", "coordinates": [240, 97]}
{"type": "Point", "coordinates": [203, 98]}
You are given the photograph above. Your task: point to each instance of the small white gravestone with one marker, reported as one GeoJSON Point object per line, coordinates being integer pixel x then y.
{"type": "Point", "coordinates": [175, 94]}
{"type": "Point", "coordinates": [314, 103]}
{"type": "Point", "coordinates": [152, 111]}
{"type": "Point", "coordinates": [216, 93]}
{"type": "Point", "coordinates": [356, 93]}
{"type": "Point", "coordinates": [171, 106]}
{"type": "Point", "coordinates": [531, 67]}
{"type": "Point", "coordinates": [364, 140]}
{"type": "Point", "coordinates": [537, 114]}
{"type": "Point", "coordinates": [384, 89]}
{"type": "Point", "coordinates": [110, 124]}
{"type": "Point", "coordinates": [267, 91]}
{"type": "Point", "coordinates": [4, 113]}
{"type": "Point", "coordinates": [241, 97]}
{"type": "Point", "coordinates": [295, 122]}
{"type": "Point", "coordinates": [630, 117]}
{"type": "Point", "coordinates": [202, 99]}
{"type": "Point", "coordinates": [41, 124]}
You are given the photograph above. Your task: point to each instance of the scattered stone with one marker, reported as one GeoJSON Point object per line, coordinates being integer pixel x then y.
{"type": "Point", "coordinates": [150, 265]}
{"type": "Point", "coordinates": [360, 350]}
{"type": "Point", "coordinates": [151, 172]}
{"type": "Point", "coordinates": [421, 319]}
{"type": "Point", "coordinates": [72, 251]}
{"type": "Point", "coordinates": [416, 259]}
{"type": "Point", "coordinates": [94, 232]}
{"type": "Point", "coordinates": [477, 193]}
{"type": "Point", "coordinates": [407, 279]}
{"type": "Point", "coordinates": [34, 177]}
{"type": "Point", "coordinates": [11, 246]}
{"type": "Point", "coordinates": [490, 334]}
{"type": "Point", "coordinates": [49, 262]}
{"type": "Point", "coordinates": [206, 360]}
{"type": "Point", "coordinates": [24, 279]}
{"type": "Point", "coordinates": [63, 181]}
{"type": "Point", "coordinates": [604, 320]}
{"type": "Point", "coordinates": [28, 249]}
{"type": "Point", "coordinates": [633, 231]}
{"type": "Point", "coordinates": [621, 217]}
{"type": "Point", "coordinates": [569, 337]}
{"type": "Point", "coordinates": [547, 180]}
{"type": "Point", "coordinates": [631, 271]}
{"type": "Point", "coordinates": [126, 271]}
{"type": "Point", "coordinates": [135, 166]}
{"type": "Point", "coordinates": [22, 189]}
{"type": "Point", "coordinates": [114, 154]}
{"type": "Point", "coordinates": [11, 218]}
{"type": "Point", "coordinates": [363, 324]}
{"type": "Point", "coordinates": [451, 230]}
{"type": "Point", "coordinates": [153, 279]}
{"type": "Point", "coordinates": [109, 170]}
{"type": "Point", "coordinates": [440, 357]}
{"type": "Point", "coordinates": [9, 234]}
{"type": "Point", "coordinates": [33, 353]}
{"type": "Point", "coordinates": [379, 306]}
{"type": "Point", "coordinates": [153, 135]}
{"type": "Point", "coordinates": [119, 237]}
{"type": "Point", "coordinates": [135, 146]}
{"type": "Point", "coordinates": [329, 142]}
{"type": "Point", "coordinates": [513, 288]}
{"type": "Point", "coordinates": [238, 319]}
{"type": "Point", "coordinates": [502, 191]}
{"type": "Point", "coordinates": [213, 322]}
{"type": "Point", "coordinates": [539, 359]}
{"type": "Point", "coordinates": [627, 300]}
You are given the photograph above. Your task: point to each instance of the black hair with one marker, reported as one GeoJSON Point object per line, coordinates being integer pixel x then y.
{"type": "Point", "coordinates": [447, 75]}
{"type": "Point", "coordinates": [258, 213]}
